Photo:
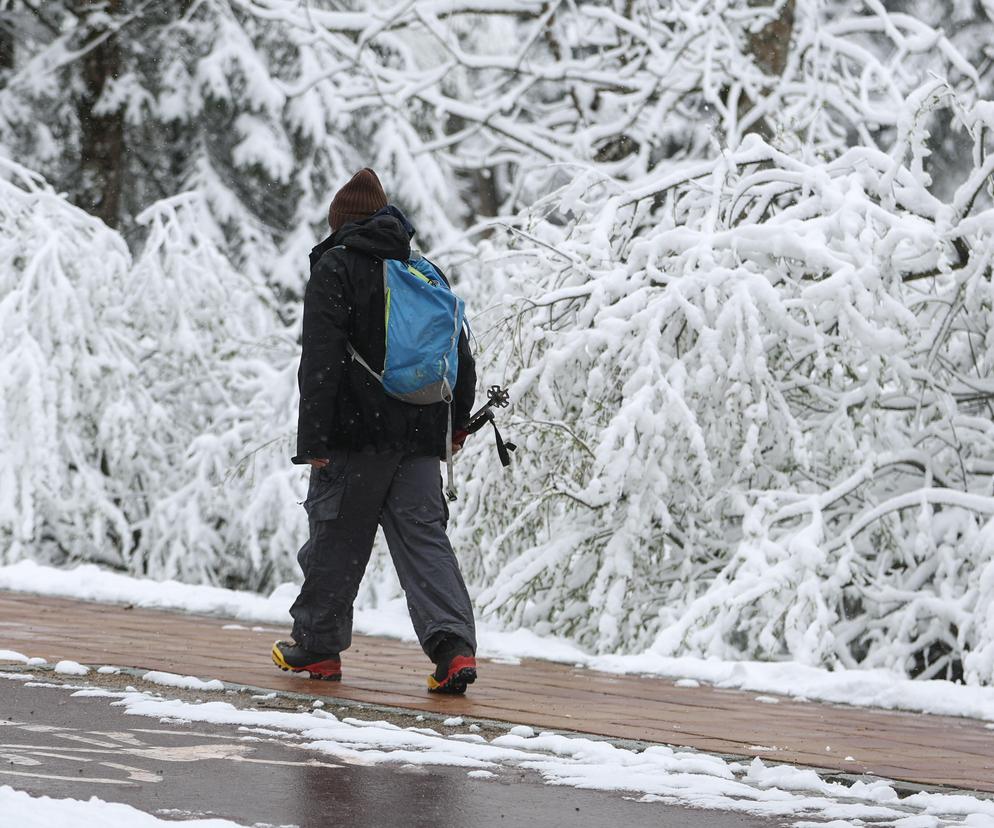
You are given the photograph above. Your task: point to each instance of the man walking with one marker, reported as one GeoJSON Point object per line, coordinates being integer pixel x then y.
{"type": "Point", "coordinates": [374, 459]}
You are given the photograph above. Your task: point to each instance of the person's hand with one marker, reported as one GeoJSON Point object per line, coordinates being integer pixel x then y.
{"type": "Point", "coordinates": [318, 464]}
{"type": "Point", "coordinates": [458, 439]}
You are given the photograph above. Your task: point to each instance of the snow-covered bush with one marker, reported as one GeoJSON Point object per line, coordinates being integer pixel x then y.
{"type": "Point", "coordinates": [755, 422]}
{"type": "Point", "coordinates": [221, 372]}
{"type": "Point", "coordinates": [733, 257]}
{"type": "Point", "coordinates": [146, 407]}
{"type": "Point", "coordinates": [69, 402]}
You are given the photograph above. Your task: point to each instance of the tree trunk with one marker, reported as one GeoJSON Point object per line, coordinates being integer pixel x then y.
{"type": "Point", "coordinates": [6, 43]}
{"type": "Point", "coordinates": [101, 141]}
{"type": "Point", "coordinates": [488, 199]}
{"type": "Point", "coordinates": [770, 46]}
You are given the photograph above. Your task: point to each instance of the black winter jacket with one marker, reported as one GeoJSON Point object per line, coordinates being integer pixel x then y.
{"type": "Point", "coordinates": [341, 404]}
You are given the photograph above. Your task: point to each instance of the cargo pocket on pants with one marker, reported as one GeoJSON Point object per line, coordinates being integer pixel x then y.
{"type": "Point", "coordinates": [326, 489]}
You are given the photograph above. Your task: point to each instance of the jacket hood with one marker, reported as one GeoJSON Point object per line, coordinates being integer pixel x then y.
{"type": "Point", "coordinates": [385, 235]}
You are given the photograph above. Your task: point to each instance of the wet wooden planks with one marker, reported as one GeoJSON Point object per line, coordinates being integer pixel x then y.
{"type": "Point", "coordinates": [932, 750]}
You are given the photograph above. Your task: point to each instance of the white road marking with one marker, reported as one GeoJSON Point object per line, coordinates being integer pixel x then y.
{"type": "Point", "coordinates": [89, 780]}
{"type": "Point", "coordinates": [310, 763]}
{"type": "Point", "coordinates": [17, 759]}
{"type": "Point", "coordinates": [127, 738]}
{"type": "Point", "coordinates": [89, 740]}
{"type": "Point", "coordinates": [190, 753]}
{"type": "Point", "coordinates": [48, 752]}
{"type": "Point", "coordinates": [105, 746]}
{"type": "Point", "coordinates": [135, 774]}
{"type": "Point", "coordinates": [59, 748]}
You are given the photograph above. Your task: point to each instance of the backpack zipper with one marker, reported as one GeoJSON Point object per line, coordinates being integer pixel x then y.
{"type": "Point", "coordinates": [414, 271]}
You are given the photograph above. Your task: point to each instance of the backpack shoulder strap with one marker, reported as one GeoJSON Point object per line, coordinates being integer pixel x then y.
{"type": "Point", "coordinates": [352, 352]}
{"type": "Point", "coordinates": [358, 358]}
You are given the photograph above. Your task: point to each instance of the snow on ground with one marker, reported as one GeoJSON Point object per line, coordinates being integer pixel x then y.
{"type": "Point", "coordinates": [657, 774]}
{"type": "Point", "coordinates": [865, 688]}
{"type": "Point", "coordinates": [71, 668]}
{"type": "Point", "coordinates": [25, 811]}
{"type": "Point", "coordinates": [186, 682]}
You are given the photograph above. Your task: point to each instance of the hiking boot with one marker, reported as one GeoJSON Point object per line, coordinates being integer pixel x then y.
{"type": "Point", "coordinates": [289, 655]}
{"type": "Point", "coordinates": [455, 667]}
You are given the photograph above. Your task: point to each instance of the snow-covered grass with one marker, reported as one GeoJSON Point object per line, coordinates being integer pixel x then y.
{"type": "Point", "coordinates": [865, 688]}
{"type": "Point", "coordinates": [655, 774]}
{"type": "Point", "coordinates": [22, 810]}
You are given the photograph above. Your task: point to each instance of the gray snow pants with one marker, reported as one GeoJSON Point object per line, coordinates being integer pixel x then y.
{"type": "Point", "coordinates": [345, 501]}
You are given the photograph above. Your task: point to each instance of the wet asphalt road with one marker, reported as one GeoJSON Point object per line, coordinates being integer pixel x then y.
{"type": "Point", "coordinates": [55, 745]}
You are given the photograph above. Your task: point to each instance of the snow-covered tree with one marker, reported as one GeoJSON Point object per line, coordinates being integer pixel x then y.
{"type": "Point", "coordinates": [755, 420]}
{"type": "Point", "coordinates": [222, 374]}
{"type": "Point", "coordinates": [734, 259]}
{"type": "Point", "coordinates": [123, 103]}
{"type": "Point", "coordinates": [146, 407]}
{"type": "Point", "coordinates": [70, 405]}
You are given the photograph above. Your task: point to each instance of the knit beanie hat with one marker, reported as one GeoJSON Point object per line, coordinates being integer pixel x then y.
{"type": "Point", "coordinates": [359, 199]}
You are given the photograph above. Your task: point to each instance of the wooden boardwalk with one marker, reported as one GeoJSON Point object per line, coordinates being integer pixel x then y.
{"type": "Point", "coordinates": [930, 750]}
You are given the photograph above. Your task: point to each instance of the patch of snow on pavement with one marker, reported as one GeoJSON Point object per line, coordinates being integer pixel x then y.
{"type": "Point", "coordinates": [186, 682]}
{"type": "Point", "coordinates": [863, 688]}
{"type": "Point", "coordinates": [25, 811]}
{"type": "Point", "coordinates": [25, 677]}
{"type": "Point", "coordinates": [468, 737]}
{"type": "Point", "coordinates": [71, 668]}
{"type": "Point", "coordinates": [657, 773]}
{"type": "Point", "coordinates": [514, 661]}
{"type": "Point", "coordinates": [13, 655]}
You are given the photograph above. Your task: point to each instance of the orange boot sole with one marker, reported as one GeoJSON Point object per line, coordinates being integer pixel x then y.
{"type": "Point", "coordinates": [462, 673]}
{"type": "Point", "coordinates": [327, 670]}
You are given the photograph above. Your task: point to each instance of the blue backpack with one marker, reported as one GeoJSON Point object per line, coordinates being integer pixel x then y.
{"type": "Point", "coordinates": [423, 321]}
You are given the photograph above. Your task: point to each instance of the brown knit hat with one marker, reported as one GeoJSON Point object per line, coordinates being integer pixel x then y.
{"type": "Point", "coordinates": [358, 199]}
